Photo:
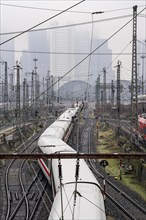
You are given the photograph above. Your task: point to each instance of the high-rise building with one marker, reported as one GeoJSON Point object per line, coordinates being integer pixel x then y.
{"type": "Point", "coordinates": [6, 55]}
{"type": "Point", "coordinates": [62, 52]}
{"type": "Point", "coordinates": [102, 58]}
{"type": "Point", "coordinates": [7, 52]}
{"type": "Point", "coordinates": [94, 64]}
{"type": "Point", "coordinates": [38, 47]}
{"type": "Point", "coordinates": [81, 50]}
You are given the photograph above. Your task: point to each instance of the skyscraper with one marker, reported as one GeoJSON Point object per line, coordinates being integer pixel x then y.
{"type": "Point", "coordinates": [62, 52]}
{"type": "Point", "coordinates": [38, 47]}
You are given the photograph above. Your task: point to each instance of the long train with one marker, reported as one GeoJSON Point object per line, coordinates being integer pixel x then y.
{"type": "Point", "coordinates": [77, 193]}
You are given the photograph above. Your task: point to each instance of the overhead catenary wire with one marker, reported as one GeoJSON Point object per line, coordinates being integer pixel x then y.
{"type": "Point", "coordinates": [68, 201]}
{"type": "Point", "coordinates": [23, 32]}
{"type": "Point", "coordinates": [65, 53]}
{"type": "Point", "coordinates": [49, 9]}
{"type": "Point", "coordinates": [59, 79]}
{"type": "Point", "coordinates": [44, 9]}
{"type": "Point", "coordinates": [118, 55]}
{"type": "Point", "coordinates": [89, 64]}
{"type": "Point", "coordinates": [88, 55]}
{"type": "Point", "coordinates": [70, 25]}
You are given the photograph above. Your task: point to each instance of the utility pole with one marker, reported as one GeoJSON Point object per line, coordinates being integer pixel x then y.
{"type": "Point", "coordinates": [43, 90]}
{"type": "Point", "coordinates": [32, 88]}
{"type": "Point", "coordinates": [37, 90]}
{"type": "Point", "coordinates": [27, 101]}
{"type": "Point", "coordinates": [6, 92]}
{"type": "Point", "coordinates": [17, 111]}
{"type": "Point", "coordinates": [102, 105]}
{"type": "Point", "coordinates": [24, 98]}
{"type": "Point", "coordinates": [112, 93]}
{"type": "Point", "coordinates": [48, 85]}
{"type": "Point", "coordinates": [104, 86]}
{"type": "Point", "coordinates": [134, 121]}
{"type": "Point", "coordinates": [35, 84]}
{"type": "Point", "coordinates": [97, 92]}
{"type": "Point", "coordinates": [138, 78]}
{"type": "Point", "coordinates": [118, 97]}
{"type": "Point", "coordinates": [12, 90]}
{"type": "Point", "coordinates": [143, 89]}
{"type": "Point", "coordinates": [52, 93]}
{"type": "Point", "coordinates": [58, 91]}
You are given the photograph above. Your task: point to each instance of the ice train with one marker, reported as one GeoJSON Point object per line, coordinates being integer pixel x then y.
{"type": "Point", "coordinates": [77, 193]}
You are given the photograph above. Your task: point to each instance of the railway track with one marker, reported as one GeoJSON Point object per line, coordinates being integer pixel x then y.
{"type": "Point", "coordinates": [131, 208]}
{"type": "Point", "coordinates": [126, 129]}
{"type": "Point", "coordinates": [23, 194]}
{"type": "Point", "coordinates": [123, 201]}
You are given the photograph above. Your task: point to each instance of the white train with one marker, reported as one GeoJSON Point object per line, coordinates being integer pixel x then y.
{"type": "Point", "coordinates": [77, 193]}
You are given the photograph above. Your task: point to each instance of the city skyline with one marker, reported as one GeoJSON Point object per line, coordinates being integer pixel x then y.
{"type": "Point", "coordinates": [101, 24]}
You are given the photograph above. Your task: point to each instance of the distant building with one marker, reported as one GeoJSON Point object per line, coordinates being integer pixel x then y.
{"type": "Point", "coordinates": [93, 65]}
{"type": "Point", "coordinates": [81, 51]}
{"type": "Point", "coordinates": [102, 58]}
{"type": "Point", "coordinates": [38, 47]}
{"type": "Point", "coordinates": [7, 52]}
{"type": "Point", "coordinates": [62, 52]}
{"type": "Point", "coordinates": [6, 55]}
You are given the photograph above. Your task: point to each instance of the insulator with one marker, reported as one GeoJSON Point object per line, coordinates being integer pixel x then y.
{"type": "Point", "coordinates": [77, 169]}
{"type": "Point", "coordinates": [60, 170]}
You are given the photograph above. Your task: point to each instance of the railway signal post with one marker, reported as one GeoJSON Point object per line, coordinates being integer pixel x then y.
{"type": "Point", "coordinates": [104, 163]}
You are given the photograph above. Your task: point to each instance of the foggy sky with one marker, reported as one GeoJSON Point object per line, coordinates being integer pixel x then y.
{"type": "Point", "coordinates": [19, 19]}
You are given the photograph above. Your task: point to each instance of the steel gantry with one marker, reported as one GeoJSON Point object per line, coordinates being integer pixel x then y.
{"type": "Point", "coordinates": [17, 67]}
{"type": "Point", "coordinates": [118, 96]}
{"type": "Point", "coordinates": [6, 91]}
{"type": "Point", "coordinates": [112, 92]}
{"type": "Point", "coordinates": [104, 87]}
{"type": "Point", "coordinates": [98, 91]}
{"type": "Point", "coordinates": [134, 121]}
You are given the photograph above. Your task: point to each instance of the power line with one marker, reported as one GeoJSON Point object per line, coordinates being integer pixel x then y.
{"type": "Point", "coordinates": [72, 25]}
{"type": "Point", "coordinates": [90, 54]}
{"type": "Point", "coordinates": [118, 55]}
{"type": "Point", "coordinates": [64, 53]}
{"type": "Point", "coordinates": [49, 9]}
{"type": "Point", "coordinates": [89, 64]}
{"type": "Point", "coordinates": [87, 56]}
{"type": "Point", "coordinates": [44, 9]}
{"type": "Point", "coordinates": [41, 23]}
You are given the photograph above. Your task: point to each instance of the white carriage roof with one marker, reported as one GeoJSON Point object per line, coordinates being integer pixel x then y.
{"type": "Point", "coordinates": [52, 141]}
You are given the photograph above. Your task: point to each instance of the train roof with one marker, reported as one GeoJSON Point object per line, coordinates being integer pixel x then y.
{"type": "Point", "coordinates": [89, 203]}
{"type": "Point", "coordinates": [67, 115]}
{"type": "Point", "coordinates": [85, 173]}
{"type": "Point", "coordinates": [53, 145]}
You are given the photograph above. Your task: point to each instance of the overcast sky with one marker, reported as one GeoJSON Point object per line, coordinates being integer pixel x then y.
{"type": "Point", "coordinates": [22, 18]}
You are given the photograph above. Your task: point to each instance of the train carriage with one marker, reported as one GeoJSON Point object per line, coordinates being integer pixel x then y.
{"type": "Point", "coordinates": [77, 193]}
